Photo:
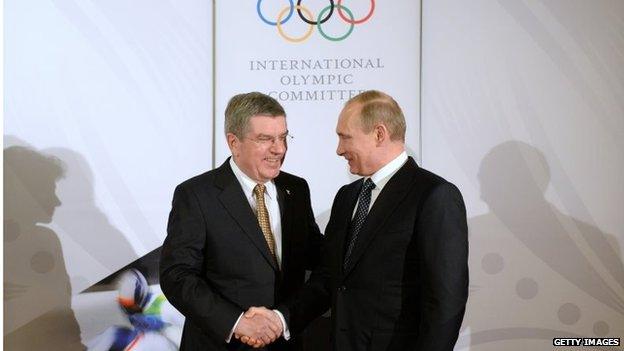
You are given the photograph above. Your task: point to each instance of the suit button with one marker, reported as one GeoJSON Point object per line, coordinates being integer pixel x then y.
{"type": "Point", "coordinates": [342, 288]}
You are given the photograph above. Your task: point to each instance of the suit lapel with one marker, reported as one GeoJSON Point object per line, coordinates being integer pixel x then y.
{"type": "Point", "coordinates": [388, 200]}
{"type": "Point", "coordinates": [234, 201]}
{"type": "Point", "coordinates": [350, 200]}
{"type": "Point", "coordinates": [286, 213]}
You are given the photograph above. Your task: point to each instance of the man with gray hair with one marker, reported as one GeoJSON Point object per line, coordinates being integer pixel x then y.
{"type": "Point", "coordinates": [240, 235]}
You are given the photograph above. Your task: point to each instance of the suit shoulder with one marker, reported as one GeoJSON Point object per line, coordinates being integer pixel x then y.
{"type": "Point", "coordinates": [353, 184]}
{"type": "Point", "coordinates": [200, 180]}
{"type": "Point", "coordinates": [435, 183]}
{"type": "Point", "coordinates": [349, 187]}
{"type": "Point", "coordinates": [424, 176]}
{"type": "Point", "coordinates": [290, 179]}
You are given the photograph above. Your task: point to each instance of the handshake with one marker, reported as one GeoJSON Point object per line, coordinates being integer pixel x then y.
{"type": "Point", "coordinates": [258, 327]}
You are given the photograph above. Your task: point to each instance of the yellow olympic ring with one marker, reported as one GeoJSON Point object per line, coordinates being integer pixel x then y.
{"type": "Point", "coordinates": [281, 31]}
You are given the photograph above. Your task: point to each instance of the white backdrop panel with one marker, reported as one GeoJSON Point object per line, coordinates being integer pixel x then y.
{"type": "Point", "coordinates": [523, 106]}
{"type": "Point", "coordinates": [120, 93]}
{"type": "Point", "coordinates": [313, 78]}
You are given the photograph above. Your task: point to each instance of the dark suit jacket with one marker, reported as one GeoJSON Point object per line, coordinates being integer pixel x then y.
{"type": "Point", "coordinates": [406, 285]}
{"type": "Point", "coordinates": [215, 262]}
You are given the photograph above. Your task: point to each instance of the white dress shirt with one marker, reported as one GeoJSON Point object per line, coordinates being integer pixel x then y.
{"type": "Point", "coordinates": [382, 176]}
{"type": "Point", "coordinates": [270, 199]}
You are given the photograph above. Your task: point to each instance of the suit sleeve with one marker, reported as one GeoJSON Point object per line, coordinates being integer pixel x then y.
{"type": "Point", "coordinates": [311, 301]}
{"type": "Point", "coordinates": [314, 298]}
{"type": "Point", "coordinates": [181, 267]}
{"type": "Point", "coordinates": [315, 238]}
{"type": "Point", "coordinates": [443, 246]}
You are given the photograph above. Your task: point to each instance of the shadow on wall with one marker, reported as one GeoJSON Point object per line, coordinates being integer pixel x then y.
{"type": "Point", "coordinates": [37, 289]}
{"type": "Point", "coordinates": [37, 292]}
{"type": "Point", "coordinates": [81, 219]}
{"type": "Point", "coordinates": [513, 178]}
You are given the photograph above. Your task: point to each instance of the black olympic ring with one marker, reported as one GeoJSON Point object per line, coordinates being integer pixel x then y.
{"type": "Point", "coordinates": [331, 11]}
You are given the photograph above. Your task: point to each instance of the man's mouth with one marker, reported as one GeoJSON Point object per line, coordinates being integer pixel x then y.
{"type": "Point", "coordinates": [274, 160]}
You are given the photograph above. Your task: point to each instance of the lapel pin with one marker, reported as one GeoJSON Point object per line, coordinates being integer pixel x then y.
{"type": "Point", "coordinates": [287, 192]}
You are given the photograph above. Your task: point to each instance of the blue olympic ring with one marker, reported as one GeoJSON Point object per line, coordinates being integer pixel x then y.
{"type": "Point", "coordinates": [292, 9]}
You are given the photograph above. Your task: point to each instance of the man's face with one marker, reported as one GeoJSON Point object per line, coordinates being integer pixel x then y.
{"type": "Point", "coordinates": [260, 153]}
{"type": "Point", "coordinates": [354, 145]}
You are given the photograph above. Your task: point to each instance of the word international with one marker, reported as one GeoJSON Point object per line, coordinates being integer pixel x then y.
{"type": "Point", "coordinates": [586, 341]}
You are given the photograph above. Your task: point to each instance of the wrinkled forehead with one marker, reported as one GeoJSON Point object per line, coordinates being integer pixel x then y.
{"type": "Point", "coordinates": [267, 124]}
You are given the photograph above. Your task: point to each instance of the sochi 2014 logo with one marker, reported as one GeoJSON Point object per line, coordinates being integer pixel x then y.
{"type": "Point", "coordinates": [305, 15]}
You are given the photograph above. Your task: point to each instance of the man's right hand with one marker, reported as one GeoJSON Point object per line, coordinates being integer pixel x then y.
{"type": "Point", "coordinates": [258, 327]}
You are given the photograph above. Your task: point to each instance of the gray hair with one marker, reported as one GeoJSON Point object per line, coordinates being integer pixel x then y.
{"type": "Point", "coordinates": [242, 107]}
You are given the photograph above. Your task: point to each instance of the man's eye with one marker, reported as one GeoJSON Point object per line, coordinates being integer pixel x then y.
{"type": "Point", "coordinates": [264, 139]}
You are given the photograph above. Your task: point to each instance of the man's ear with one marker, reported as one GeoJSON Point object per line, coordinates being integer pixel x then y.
{"type": "Point", "coordinates": [381, 133]}
{"type": "Point", "coordinates": [233, 143]}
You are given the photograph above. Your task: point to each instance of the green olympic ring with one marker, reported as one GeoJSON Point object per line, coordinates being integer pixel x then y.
{"type": "Point", "coordinates": [322, 13]}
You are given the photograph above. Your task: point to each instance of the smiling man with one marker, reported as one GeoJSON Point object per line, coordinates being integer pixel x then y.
{"type": "Point", "coordinates": [240, 235]}
{"type": "Point", "coordinates": [394, 266]}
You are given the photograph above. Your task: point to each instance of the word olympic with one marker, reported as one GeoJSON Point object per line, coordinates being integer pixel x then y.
{"type": "Point", "coordinates": [306, 16]}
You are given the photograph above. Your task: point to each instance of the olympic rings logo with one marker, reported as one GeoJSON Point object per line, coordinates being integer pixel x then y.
{"type": "Point", "coordinates": [285, 14]}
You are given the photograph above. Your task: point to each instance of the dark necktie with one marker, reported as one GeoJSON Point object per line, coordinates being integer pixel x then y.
{"type": "Point", "coordinates": [360, 216]}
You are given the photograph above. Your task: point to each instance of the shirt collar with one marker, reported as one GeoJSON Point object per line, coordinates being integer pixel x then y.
{"type": "Point", "coordinates": [249, 184]}
{"type": "Point", "coordinates": [383, 175]}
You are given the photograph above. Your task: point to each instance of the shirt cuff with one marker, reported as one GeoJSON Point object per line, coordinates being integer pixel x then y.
{"type": "Point", "coordinates": [286, 333]}
{"type": "Point", "coordinates": [234, 328]}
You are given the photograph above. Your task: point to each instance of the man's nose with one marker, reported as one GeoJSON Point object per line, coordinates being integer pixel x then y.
{"type": "Point", "coordinates": [279, 146]}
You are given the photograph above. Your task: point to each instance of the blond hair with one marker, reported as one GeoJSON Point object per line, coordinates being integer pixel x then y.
{"type": "Point", "coordinates": [377, 107]}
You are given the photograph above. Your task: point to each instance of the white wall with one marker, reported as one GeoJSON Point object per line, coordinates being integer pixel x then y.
{"type": "Point", "coordinates": [121, 93]}
{"type": "Point", "coordinates": [523, 108]}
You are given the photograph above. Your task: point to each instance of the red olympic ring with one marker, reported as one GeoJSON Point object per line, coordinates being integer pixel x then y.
{"type": "Point", "coordinates": [361, 20]}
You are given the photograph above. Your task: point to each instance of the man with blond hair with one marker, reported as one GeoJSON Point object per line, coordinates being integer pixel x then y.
{"type": "Point", "coordinates": [394, 262]}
